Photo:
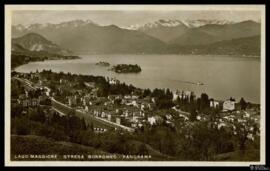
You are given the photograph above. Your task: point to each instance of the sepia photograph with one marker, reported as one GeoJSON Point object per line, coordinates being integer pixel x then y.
{"type": "Point", "coordinates": [134, 85]}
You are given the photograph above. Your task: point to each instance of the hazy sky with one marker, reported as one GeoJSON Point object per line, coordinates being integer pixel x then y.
{"type": "Point", "coordinates": [126, 18]}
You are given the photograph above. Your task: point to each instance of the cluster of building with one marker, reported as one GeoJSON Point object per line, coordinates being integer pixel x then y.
{"type": "Point", "coordinates": [128, 110]}
{"type": "Point", "coordinates": [113, 81]}
{"type": "Point", "coordinates": [25, 100]}
{"type": "Point", "coordinates": [132, 111]}
{"type": "Point", "coordinates": [227, 105]}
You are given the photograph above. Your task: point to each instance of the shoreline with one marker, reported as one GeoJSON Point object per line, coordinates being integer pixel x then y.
{"type": "Point", "coordinates": [173, 90]}
{"type": "Point", "coordinates": [71, 57]}
{"type": "Point", "coordinates": [221, 100]}
{"type": "Point", "coordinates": [190, 55]}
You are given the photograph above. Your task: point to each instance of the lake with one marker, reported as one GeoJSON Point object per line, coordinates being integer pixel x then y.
{"type": "Point", "coordinates": [223, 76]}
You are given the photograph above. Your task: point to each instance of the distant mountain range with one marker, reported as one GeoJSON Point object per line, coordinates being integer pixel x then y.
{"type": "Point", "coordinates": [158, 37]}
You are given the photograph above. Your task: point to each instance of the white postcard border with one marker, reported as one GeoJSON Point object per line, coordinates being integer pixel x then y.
{"type": "Point", "coordinates": [8, 16]}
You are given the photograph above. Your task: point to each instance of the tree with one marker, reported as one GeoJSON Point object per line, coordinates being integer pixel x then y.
{"type": "Point", "coordinates": [178, 100]}
{"type": "Point", "coordinates": [75, 123]}
{"type": "Point", "coordinates": [243, 130]}
{"type": "Point", "coordinates": [164, 103]}
{"type": "Point", "coordinates": [22, 125]}
{"type": "Point", "coordinates": [16, 111]}
{"type": "Point", "coordinates": [193, 114]}
{"type": "Point", "coordinates": [214, 114]}
{"type": "Point", "coordinates": [202, 141]}
{"type": "Point", "coordinates": [72, 112]}
{"type": "Point", "coordinates": [142, 149]}
{"type": "Point", "coordinates": [243, 104]}
{"type": "Point", "coordinates": [205, 103]}
{"type": "Point", "coordinates": [37, 115]}
{"type": "Point", "coordinates": [83, 124]}
{"type": "Point", "coordinates": [146, 92]}
{"type": "Point", "coordinates": [192, 98]}
{"type": "Point", "coordinates": [90, 126]}
{"type": "Point", "coordinates": [169, 94]}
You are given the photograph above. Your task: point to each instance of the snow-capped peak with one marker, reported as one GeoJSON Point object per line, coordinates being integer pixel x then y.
{"type": "Point", "coordinates": [155, 24]}
{"type": "Point", "coordinates": [131, 27]}
{"type": "Point", "coordinates": [73, 23]}
{"type": "Point", "coordinates": [163, 23]}
{"type": "Point", "coordinates": [175, 23]}
{"type": "Point", "coordinates": [20, 27]}
{"type": "Point", "coordinates": [202, 22]}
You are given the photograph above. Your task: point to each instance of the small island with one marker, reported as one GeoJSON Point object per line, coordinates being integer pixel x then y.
{"type": "Point", "coordinates": [69, 57]}
{"type": "Point", "coordinates": [126, 68]}
{"type": "Point", "coordinates": [101, 63]}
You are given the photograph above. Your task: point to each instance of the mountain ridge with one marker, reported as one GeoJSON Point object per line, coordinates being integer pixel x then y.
{"type": "Point", "coordinates": [247, 46]}
{"type": "Point", "coordinates": [37, 43]}
{"type": "Point", "coordinates": [164, 36]}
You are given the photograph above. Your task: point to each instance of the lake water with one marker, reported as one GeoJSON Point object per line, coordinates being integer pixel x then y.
{"type": "Point", "coordinates": [222, 76]}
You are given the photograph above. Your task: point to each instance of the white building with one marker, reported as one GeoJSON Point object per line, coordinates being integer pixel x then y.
{"type": "Point", "coordinates": [142, 106]}
{"type": "Point", "coordinates": [176, 95]}
{"type": "Point", "coordinates": [62, 81]}
{"type": "Point", "coordinates": [103, 114]}
{"type": "Point", "coordinates": [86, 109]}
{"type": "Point", "coordinates": [72, 101]}
{"type": "Point", "coordinates": [142, 114]}
{"type": "Point", "coordinates": [168, 117]}
{"type": "Point", "coordinates": [126, 113]}
{"type": "Point", "coordinates": [214, 104]}
{"type": "Point", "coordinates": [222, 124]}
{"type": "Point", "coordinates": [134, 97]}
{"type": "Point", "coordinates": [134, 103]}
{"type": "Point", "coordinates": [229, 105]}
{"type": "Point", "coordinates": [109, 117]}
{"type": "Point", "coordinates": [114, 81]}
{"type": "Point", "coordinates": [127, 97]}
{"type": "Point", "coordinates": [151, 120]}
{"type": "Point", "coordinates": [118, 121]}
{"type": "Point", "coordinates": [134, 125]}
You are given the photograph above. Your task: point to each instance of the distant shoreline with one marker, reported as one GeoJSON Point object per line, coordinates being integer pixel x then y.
{"type": "Point", "coordinates": [221, 100]}
{"type": "Point", "coordinates": [188, 82]}
{"type": "Point", "coordinates": [191, 55]}
{"type": "Point", "coordinates": [40, 59]}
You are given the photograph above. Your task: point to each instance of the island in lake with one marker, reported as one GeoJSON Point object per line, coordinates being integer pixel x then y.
{"type": "Point", "coordinates": [101, 63]}
{"type": "Point", "coordinates": [126, 68]}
